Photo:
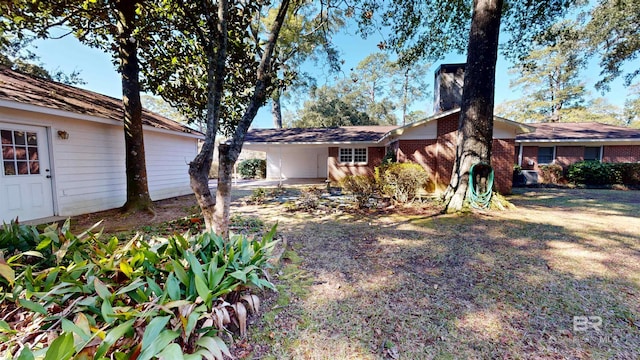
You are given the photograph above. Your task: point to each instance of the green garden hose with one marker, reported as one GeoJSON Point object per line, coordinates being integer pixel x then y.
{"type": "Point", "coordinates": [483, 200]}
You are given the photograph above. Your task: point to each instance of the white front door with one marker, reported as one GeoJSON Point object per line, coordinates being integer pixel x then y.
{"type": "Point", "coordinates": [25, 181]}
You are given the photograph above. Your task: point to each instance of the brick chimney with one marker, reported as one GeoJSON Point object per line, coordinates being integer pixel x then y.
{"type": "Point", "coordinates": [449, 79]}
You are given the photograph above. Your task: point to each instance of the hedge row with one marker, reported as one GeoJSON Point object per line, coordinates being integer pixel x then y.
{"type": "Point", "coordinates": [597, 173]}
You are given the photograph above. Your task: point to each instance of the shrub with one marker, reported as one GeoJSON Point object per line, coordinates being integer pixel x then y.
{"type": "Point", "coordinates": [253, 169]}
{"type": "Point", "coordinates": [402, 181]}
{"type": "Point", "coordinates": [594, 173]}
{"type": "Point", "coordinates": [389, 157]}
{"type": "Point", "coordinates": [552, 173]}
{"type": "Point", "coordinates": [363, 187]}
{"type": "Point", "coordinates": [629, 173]}
{"type": "Point", "coordinates": [160, 298]}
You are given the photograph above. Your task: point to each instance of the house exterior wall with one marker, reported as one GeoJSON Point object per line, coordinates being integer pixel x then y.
{"type": "Point", "coordinates": [570, 154]}
{"type": "Point", "coordinates": [621, 153]}
{"type": "Point", "coordinates": [296, 162]}
{"type": "Point", "coordinates": [502, 150]}
{"type": "Point", "coordinates": [88, 168]}
{"type": "Point", "coordinates": [529, 158]}
{"type": "Point", "coordinates": [437, 155]}
{"type": "Point", "coordinates": [337, 171]}
{"type": "Point", "coordinates": [567, 155]}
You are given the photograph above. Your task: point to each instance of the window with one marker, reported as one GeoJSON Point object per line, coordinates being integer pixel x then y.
{"type": "Point", "coordinates": [353, 155]}
{"type": "Point", "coordinates": [19, 152]}
{"type": "Point", "coordinates": [592, 153]}
{"type": "Point", "coordinates": [545, 155]}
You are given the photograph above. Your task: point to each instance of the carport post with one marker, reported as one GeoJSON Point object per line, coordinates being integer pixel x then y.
{"type": "Point", "coordinates": [280, 165]}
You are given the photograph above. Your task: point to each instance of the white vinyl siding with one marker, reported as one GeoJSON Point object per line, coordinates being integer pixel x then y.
{"type": "Point", "coordinates": [353, 155]}
{"type": "Point", "coordinates": [88, 168]}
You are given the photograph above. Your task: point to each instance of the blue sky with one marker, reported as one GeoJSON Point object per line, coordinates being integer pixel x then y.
{"type": "Point", "coordinates": [97, 70]}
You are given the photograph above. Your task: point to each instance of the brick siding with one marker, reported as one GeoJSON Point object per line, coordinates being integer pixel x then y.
{"type": "Point", "coordinates": [437, 156]}
{"type": "Point", "coordinates": [529, 158]}
{"type": "Point", "coordinates": [567, 155]}
{"type": "Point", "coordinates": [501, 161]}
{"type": "Point", "coordinates": [622, 153]}
{"type": "Point", "coordinates": [337, 171]}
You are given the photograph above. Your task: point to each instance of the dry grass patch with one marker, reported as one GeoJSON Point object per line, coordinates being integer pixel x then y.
{"type": "Point", "coordinates": [497, 285]}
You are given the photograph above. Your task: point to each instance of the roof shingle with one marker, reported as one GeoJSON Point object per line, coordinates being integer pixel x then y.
{"type": "Point", "coordinates": [579, 131]}
{"type": "Point", "coordinates": [25, 89]}
{"type": "Point", "coordinates": [343, 134]}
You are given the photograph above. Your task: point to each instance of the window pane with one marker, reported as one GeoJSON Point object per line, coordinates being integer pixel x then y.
{"type": "Point", "coordinates": [360, 155]}
{"type": "Point", "coordinates": [21, 153]}
{"type": "Point", "coordinates": [346, 155]}
{"type": "Point", "coordinates": [19, 137]}
{"type": "Point", "coordinates": [6, 137]}
{"type": "Point", "coordinates": [7, 152]}
{"type": "Point", "coordinates": [32, 139]}
{"type": "Point", "coordinates": [9, 168]}
{"type": "Point", "coordinates": [545, 155]}
{"type": "Point", "coordinates": [23, 168]}
{"type": "Point", "coordinates": [33, 153]}
{"type": "Point", "coordinates": [34, 167]}
{"type": "Point", "coordinates": [592, 153]}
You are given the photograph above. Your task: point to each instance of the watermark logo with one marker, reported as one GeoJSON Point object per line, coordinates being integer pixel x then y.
{"type": "Point", "coordinates": [586, 323]}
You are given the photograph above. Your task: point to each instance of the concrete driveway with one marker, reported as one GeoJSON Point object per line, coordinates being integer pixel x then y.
{"type": "Point", "coordinates": [258, 183]}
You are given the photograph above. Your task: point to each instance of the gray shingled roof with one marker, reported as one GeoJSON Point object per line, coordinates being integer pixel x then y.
{"type": "Point", "coordinates": [578, 131]}
{"type": "Point", "coordinates": [30, 90]}
{"type": "Point", "coordinates": [343, 134]}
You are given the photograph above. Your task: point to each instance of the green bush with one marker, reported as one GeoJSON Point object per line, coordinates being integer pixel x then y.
{"type": "Point", "coordinates": [552, 173]}
{"type": "Point", "coordinates": [363, 187]}
{"type": "Point", "coordinates": [629, 172]}
{"type": "Point", "coordinates": [389, 157]}
{"type": "Point", "coordinates": [253, 169]}
{"type": "Point", "coordinates": [402, 181]}
{"type": "Point", "coordinates": [161, 298]}
{"type": "Point", "coordinates": [594, 173]}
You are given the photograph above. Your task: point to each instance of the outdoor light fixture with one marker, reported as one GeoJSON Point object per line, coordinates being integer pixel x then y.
{"type": "Point", "coordinates": [63, 134]}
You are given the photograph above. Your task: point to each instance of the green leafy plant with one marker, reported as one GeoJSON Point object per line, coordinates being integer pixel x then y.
{"type": "Point", "coordinates": [253, 168]}
{"type": "Point", "coordinates": [363, 187]}
{"type": "Point", "coordinates": [629, 173]}
{"type": "Point", "coordinates": [552, 174]}
{"type": "Point", "coordinates": [163, 297]}
{"type": "Point", "coordinates": [258, 196]}
{"type": "Point", "coordinates": [401, 181]}
{"type": "Point", "coordinates": [594, 173]}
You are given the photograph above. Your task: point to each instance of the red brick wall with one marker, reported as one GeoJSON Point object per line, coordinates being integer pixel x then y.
{"type": "Point", "coordinates": [448, 124]}
{"type": "Point", "coordinates": [567, 155]}
{"type": "Point", "coordinates": [423, 152]}
{"type": "Point", "coordinates": [502, 163]}
{"type": "Point", "coordinates": [529, 154]}
{"type": "Point", "coordinates": [438, 156]}
{"type": "Point", "coordinates": [337, 171]}
{"type": "Point", "coordinates": [622, 153]}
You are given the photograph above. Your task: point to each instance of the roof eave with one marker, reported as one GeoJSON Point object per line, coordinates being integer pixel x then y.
{"type": "Point", "coordinates": [79, 116]}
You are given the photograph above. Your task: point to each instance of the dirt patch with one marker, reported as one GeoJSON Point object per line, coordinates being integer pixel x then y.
{"type": "Point", "coordinates": [115, 220]}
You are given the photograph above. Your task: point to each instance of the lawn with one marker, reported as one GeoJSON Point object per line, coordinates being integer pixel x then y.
{"type": "Point", "coordinates": [558, 277]}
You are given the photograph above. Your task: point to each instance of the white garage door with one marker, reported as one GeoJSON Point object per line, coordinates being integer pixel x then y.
{"type": "Point", "coordinates": [25, 181]}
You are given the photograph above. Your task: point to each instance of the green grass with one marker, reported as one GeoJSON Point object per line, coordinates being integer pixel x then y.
{"type": "Point", "coordinates": [495, 285]}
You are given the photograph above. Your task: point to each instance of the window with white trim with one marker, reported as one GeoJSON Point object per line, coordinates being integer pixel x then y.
{"type": "Point", "coordinates": [546, 155]}
{"type": "Point", "coordinates": [592, 153]}
{"type": "Point", "coordinates": [353, 155]}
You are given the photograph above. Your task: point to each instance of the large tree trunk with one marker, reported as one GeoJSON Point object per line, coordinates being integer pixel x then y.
{"type": "Point", "coordinates": [229, 152]}
{"type": "Point", "coordinates": [475, 129]}
{"type": "Point", "coordinates": [276, 109]}
{"type": "Point", "coordinates": [137, 190]}
{"type": "Point", "coordinates": [200, 166]}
